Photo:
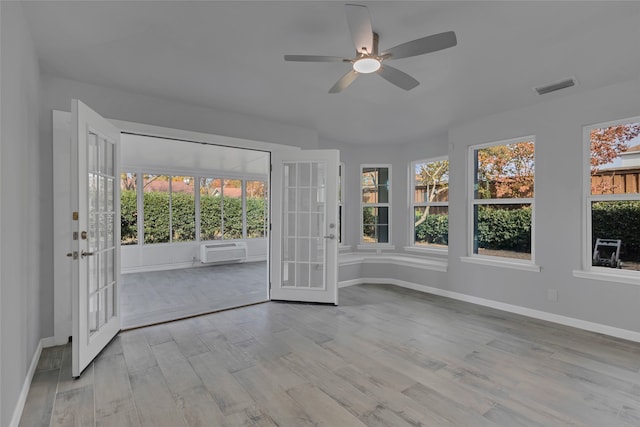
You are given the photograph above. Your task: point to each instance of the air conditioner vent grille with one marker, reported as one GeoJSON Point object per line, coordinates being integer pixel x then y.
{"type": "Point", "coordinates": [555, 86]}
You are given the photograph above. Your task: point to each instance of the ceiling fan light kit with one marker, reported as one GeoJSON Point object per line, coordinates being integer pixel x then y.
{"type": "Point", "coordinates": [367, 60]}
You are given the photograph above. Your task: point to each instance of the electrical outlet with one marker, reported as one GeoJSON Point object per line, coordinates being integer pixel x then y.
{"type": "Point", "coordinates": [552, 295]}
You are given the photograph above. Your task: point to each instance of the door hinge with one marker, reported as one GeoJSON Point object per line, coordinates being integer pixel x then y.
{"type": "Point", "coordinates": [269, 226]}
{"type": "Point", "coordinates": [270, 167]}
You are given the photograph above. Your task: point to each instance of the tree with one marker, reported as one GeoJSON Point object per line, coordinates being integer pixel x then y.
{"type": "Point", "coordinates": [506, 171]}
{"type": "Point", "coordinates": [434, 177]}
{"type": "Point", "coordinates": [608, 143]}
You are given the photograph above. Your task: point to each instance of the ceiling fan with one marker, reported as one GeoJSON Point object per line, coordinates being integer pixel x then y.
{"type": "Point", "coordinates": [369, 60]}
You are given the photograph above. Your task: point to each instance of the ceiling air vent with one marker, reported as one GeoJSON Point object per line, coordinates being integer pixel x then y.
{"type": "Point", "coordinates": [555, 86]}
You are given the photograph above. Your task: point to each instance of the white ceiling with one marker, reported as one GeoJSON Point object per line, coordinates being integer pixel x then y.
{"type": "Point", "coordinates": [229, 55]}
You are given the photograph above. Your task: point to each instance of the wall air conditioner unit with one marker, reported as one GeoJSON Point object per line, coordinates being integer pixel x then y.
{"type": "Point", "coordinates": [223, 252]}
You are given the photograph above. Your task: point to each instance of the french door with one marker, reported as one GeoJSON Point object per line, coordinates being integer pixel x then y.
{"type": "Point", "coordinates": [304, 243]}
{"type": "Point", "coordinates": [95, 146]}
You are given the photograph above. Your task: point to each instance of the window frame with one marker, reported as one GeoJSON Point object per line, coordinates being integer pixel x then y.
{"type": "Point", "coordinates": [196, 174]}
{"type": "Point", "coordinates": [368, 245]}
{"type": "Point", "coordinates": [412, 205]}
{"type": "Point", "coordinates": [341, 198]}
{"type": "Point", "coordinates": [588, 270]}
{"type": "Point", "coordinates": [472, 202]}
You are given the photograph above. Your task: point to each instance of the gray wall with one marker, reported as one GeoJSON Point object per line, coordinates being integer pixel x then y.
{"type": "Point", "coordinates": [557, 123]}
{"type": "Point", "coordinates": [23, 189]}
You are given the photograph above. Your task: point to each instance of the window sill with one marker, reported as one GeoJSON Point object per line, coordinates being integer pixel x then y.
{"type": "Point", "coordinates": [631, 278]}
{"type": "Point", "coordinates": [423, 250]}
{"type": "Point", "coordinates": [376, 247]}
{"type": "Point", "coordinates": [501, 263]}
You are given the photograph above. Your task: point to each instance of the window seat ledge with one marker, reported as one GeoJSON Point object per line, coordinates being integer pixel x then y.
{"type": "Point", "coordinates": [404, 260]}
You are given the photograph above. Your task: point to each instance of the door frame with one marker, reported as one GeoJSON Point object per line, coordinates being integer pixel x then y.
{"type": "Point", "coordinates": [61, 142]}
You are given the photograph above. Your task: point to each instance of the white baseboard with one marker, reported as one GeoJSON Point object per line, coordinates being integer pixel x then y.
{"type": "Point", "coordinates": [516, 309]}
{"type": "Point", "coordinates": [180, 265]}
{"type": "Point", "coordinates": [22, 399]}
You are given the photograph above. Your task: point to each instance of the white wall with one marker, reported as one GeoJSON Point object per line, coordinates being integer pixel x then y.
{"type": "Point", "coordinates": [166, 256]}
{"type": "Point", "coordinates": [23, 187]}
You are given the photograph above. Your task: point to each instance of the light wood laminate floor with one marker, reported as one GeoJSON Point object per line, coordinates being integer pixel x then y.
{"type": "Point", "coordinates": [386, 356]}
{"type": "Point", "coordinates": [160, 296]}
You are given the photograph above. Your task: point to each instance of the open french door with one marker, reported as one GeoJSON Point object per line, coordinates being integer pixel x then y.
{"type": "Point", "coordinates": [304, 244]}
{"type": "Point", "coordinates": [95, 145]}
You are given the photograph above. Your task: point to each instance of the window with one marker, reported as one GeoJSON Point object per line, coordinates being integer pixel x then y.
{"type": "Point", "coordinates": [375, 186]}
{"type": "Point", "coordinates": [232, 208]}
{"type": "Point", "coordinates": [156, 207]}
{"type": "Point", "coordinates": [613, 196]}
{"type": "Point", "coordinates": [183, 209]}
{"type": "Point", "coordinates": [128, 208]}
{"type": "Point", "coordinates": [256, 209]}
{"type": "Point", "coordinates": [169, 208]}
{"type": "Point", "coordinates": [430, 203]}
{"type": "Point", "coordinates": [502, 201]}
{"type": "Point", "coordinates": [210, 209]}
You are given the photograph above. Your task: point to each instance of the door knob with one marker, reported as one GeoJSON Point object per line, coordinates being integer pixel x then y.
{"type": "Point", "coordinates": [330, 236]}
{"type": "Point", "coordinates": [84, 254]}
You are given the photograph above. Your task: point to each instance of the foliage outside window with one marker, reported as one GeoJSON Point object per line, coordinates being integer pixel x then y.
{"type": "Point", "coordinates": [171, 208]}
{"type": "Point", "coordinates": [256, 209]}
{"type": "Point", "coordinates": [210, 208]}
{"type": "Point", "coordinates": [503, 199]}
{"type": "Point", "coordinates": [157, 209]}
{"type": "Point", "coordinates": [430, 203]}
{"type": "Point", "coordinates": [375, 186]}
{"type": "Point", "coordinates": [232, 208]}
{"type": "Point", "coordinates": [129, 208]}
{"type": "Point", "coordinates": [613, 202]}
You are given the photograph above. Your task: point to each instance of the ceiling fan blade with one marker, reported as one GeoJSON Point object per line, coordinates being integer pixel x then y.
{"type": "Point", "coordinates": [314, 58]}
{"type": "Point", "coordinates": [421, 46]}
{"type": "Point", "coordinates": [398, 78]}
{"type": "Point", "coordinates": [360, 26]}
{"type": "Point", "coordinates": [344, 82]}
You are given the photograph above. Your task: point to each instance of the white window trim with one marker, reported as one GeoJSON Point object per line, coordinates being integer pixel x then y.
{"type": "Point", "coordinates": [589, 271]}
{"type": "Point", "coordinates": [368, 245]}
{"type": "Point", "coordinates": [472, 257]}
{"type": "Point", "coordinates": [412, 247]}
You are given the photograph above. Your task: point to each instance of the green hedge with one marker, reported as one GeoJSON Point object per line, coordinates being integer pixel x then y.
{"type": "Point", "coordinates": [504, 229]}
{"type": "Point", "coordinates": [156, 218]}
{"type": "Point", "coordinates": [497, 229]}
{"type": "Point", "coordinates": [618, 220]}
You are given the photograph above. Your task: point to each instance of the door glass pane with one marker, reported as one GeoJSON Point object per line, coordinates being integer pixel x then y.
{"type": "Point", "coordinates": [304, 224]}
{"type": "Point", "coordinates": [210, 209]}
{"type": "Point", "coordinates": [110, 303]}
{"type": "Point", "coordinates": [93, 313]}
{"type": "Point", "coordinates": [102, 309]}
{"type": "Point", "coordinates": [92, 152]}
{"type": "Point", "coordinates": [92, 272]}
{"type": "Point", "coordinates": [109, 166]}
